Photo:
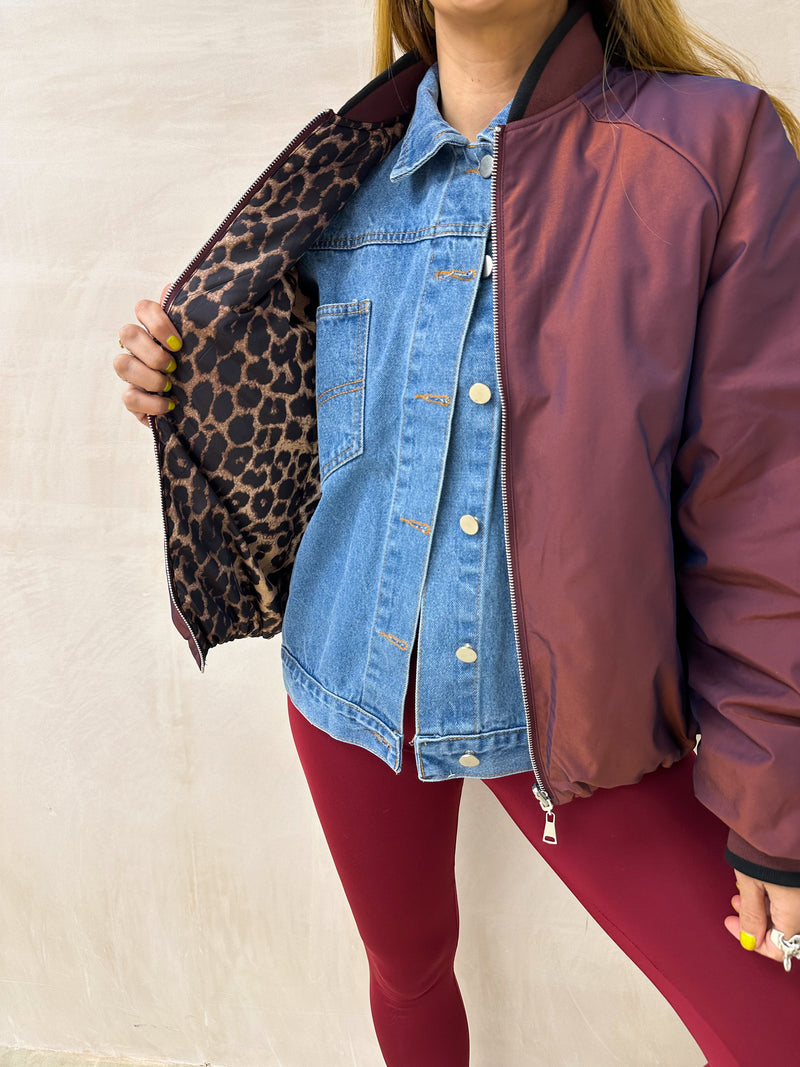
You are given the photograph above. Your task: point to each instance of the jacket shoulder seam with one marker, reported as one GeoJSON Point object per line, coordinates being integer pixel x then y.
{"type": "Point", "coordinates": [667, 144]}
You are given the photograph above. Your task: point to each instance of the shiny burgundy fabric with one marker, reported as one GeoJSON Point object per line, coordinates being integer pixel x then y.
{"type": "Point", "coordinates": [644, 860]}
{"type": "Point", "coordinates": [649, 325]}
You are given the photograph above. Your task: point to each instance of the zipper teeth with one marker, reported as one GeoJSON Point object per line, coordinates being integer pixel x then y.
{"type": "Point", "coordinates": [152, 423]}
{"type": "Point", "coordinates": [542, 795]}
{"type": "Point", "coordinates": [182, 277]}
{"type": "Point", "coordinates": [240, 203]}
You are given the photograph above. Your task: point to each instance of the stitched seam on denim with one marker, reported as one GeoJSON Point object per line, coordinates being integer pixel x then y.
{"type": "Point", "coordinates": [400, 437]}
{"type": "Point", "coordinates": [473, 170]}
{"type": "Point", "coordinates": [433, 398]}
{"type": "Point", "coordinates": [483, 525]}
{"type": "Point", "coordinates": [296, 664]}
{"type": "Point", "coordinates": [382, 740]}
{"type": "Point", "coordinates": [417, 525]}
{"type": "Point", "coordinates": [457, 375]}
{"type": "Point", "coordinates": [339, 390]}
{"type": "Point", "coordinates": [407, 233]}
{"type": "Point", "coordinates": [418, 671]}
{"type": "Point", "coordinates": [341, 454]}
{"type": "Point", "coordinates": [362, 356]}
{"type": "Point", "coordinates": [342, 310]}
{"type": "Point", "coordinates": [401, 159]}
{"type": "Point", "coordinates": [456, 369]}
{"type": "Point", "coordinates": [351, 449]}
{"type": "Point", "coordinates": [455, 229]}
{"type": "Point", "coordinates": [479, 736]}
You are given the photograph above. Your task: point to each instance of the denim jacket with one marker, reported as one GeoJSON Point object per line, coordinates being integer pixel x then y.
{"type": "Point", "coordinates": [408, 530]}
{"type": "Point", "coordinates": [646, 232]}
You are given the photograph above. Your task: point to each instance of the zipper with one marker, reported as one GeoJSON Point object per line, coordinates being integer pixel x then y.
{"type": "Point", "coordinates": [201, 660]}
{"type": "Point", "coordinates": [240, 203]}
{"type": "Point", "coordinates": [539, 790]}
{"type": "Point", "coordinates": [183, 277]}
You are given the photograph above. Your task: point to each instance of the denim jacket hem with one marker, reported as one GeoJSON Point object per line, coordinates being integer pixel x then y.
{"type": "Point", "coordinates": [497, 751]}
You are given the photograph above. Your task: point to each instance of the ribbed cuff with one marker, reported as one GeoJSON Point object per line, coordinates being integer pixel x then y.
{"type": "Point", "coordinates": [777, 870]}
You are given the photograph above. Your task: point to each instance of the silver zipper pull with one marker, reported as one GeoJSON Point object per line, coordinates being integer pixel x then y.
{"type": "Point", "coordinates": [546, 804]}
{"type": "Point", "coordinates": [549, 834]}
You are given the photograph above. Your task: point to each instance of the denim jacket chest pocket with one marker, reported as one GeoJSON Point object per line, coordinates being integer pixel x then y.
{"type": "Point", "coordinates": [342, 335]}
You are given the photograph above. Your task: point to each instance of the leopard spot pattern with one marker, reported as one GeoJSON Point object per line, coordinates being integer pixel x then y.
{"type": "Point", "coordinates": [238, 456]}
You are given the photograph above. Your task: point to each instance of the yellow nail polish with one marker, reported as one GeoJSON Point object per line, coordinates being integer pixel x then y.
{"type": "Point", "coordinates": [747, 941]}
{"type": "Point", "coordinates": [171, 406]}
{"type": "Point", "coordinates": [167, 387]}
{"type": "Point", "coordinates": [173, 342]}
{"type": "Point", "coordinates": [171, 366]}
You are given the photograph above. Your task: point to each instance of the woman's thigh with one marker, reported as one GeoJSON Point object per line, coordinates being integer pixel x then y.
{"type": "Point", "coordinates": [392, 838]}
{"type": "Point", "coordinates": [646, 861]}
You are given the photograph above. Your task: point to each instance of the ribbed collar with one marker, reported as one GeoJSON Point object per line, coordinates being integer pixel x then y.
{"type": "Point", "coordinates": [571, 57]}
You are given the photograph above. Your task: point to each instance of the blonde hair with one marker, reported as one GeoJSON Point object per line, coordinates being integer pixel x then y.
{"type": "Point", "coordinates": [650, 35]}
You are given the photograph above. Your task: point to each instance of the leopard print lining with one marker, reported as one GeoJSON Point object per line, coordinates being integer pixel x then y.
{"type": "Point", "coordinates": [238, 456]}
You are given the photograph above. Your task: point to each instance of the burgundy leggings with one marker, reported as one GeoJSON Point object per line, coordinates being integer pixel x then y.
{"type": "Point", "coordinates": [645, 860]}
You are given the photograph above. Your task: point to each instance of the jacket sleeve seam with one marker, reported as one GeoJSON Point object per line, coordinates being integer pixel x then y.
{"type": "Point", "coordinates": [720, 207]}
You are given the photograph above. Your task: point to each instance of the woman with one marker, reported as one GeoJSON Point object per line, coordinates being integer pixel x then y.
{"type": "Point", "coordinates": [538, 303]}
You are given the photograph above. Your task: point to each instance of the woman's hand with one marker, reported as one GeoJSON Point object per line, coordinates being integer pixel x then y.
{"type": "Point", "coordinates": [762, 907]}
{"type": "Point", "coordinates": [146, 360]}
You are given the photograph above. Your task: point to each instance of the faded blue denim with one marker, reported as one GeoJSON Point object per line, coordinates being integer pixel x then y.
{"type": "Point", "coordinates": [404, 329]}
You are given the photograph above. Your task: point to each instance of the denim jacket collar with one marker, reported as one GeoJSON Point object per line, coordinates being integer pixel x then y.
{"type": "Point", "coordinates": [428, 132]}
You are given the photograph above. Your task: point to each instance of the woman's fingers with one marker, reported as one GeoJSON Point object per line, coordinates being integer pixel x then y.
{"type": "Point", "coordinates": [753, 912]}
{"type": "Point", "coordinates": [762, 907]}
{"type": "Point", "coordinates": [157, 323]}
{"type": "Point", "coordinates": [142, 363]}
{"type": "Point", "coordinates": [141, 403]}
{"type": "Point", "coordinates": [146, 359]}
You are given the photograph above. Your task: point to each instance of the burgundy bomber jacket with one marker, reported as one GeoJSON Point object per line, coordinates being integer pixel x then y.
{"type": "Point", "coordinates": [647, 323]}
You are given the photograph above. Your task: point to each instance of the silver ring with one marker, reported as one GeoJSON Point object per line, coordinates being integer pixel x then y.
{"type": "Point", "coordinates": [789, 946]}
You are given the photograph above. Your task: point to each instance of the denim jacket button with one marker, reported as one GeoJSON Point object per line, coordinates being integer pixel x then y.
{"type": "Point", "coordinates": [469, 759]}
{"type": "Point", "coordinates": [469, 524]}
{"type": "Point", "coordinates": [486, 166]}
{"type": "Point", "coordinates": [466, 653]}
{"type": "Point", "coordinates": [480, 393]}
{"type": "Point", "coordinates": [487, 267]}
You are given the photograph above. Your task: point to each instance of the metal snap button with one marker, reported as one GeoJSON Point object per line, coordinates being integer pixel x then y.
{"type": "Point", "coordinates": [487, 267]}
{"type": "Point", "coordinates": [480, 393]}
{"type": "Point", "coordinates": [469, 524]}
{"type": "Point", "coordinates": [466, 653]}
{"type": "Point", "coordinates": [469, 759]}
{"type": "Point", "coordinates": [486, 166]}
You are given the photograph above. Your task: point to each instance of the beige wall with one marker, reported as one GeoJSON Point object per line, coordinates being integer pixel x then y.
{"type": "Point", "coordinates": [165, 891]}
